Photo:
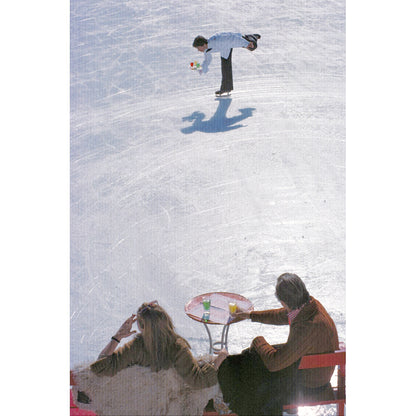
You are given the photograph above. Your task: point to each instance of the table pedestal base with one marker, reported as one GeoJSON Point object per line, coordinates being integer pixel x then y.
{"type": "Point", "coordinates": [213, 346]}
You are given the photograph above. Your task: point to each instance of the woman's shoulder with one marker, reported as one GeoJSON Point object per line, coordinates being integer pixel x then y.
{"type": "Point", "coordinates": [181, 343]}
{"type": "Point", "coordinates": [181, 352]}
{"type": "Point", "coordinates": [137, 342]}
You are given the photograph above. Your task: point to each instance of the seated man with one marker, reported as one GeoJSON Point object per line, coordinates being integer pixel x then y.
{"type": "Point", "coordinates": [259, 380]}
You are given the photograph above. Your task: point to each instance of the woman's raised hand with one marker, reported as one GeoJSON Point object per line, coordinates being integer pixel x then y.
{"type": "Point", "coordinates": [125, 329]}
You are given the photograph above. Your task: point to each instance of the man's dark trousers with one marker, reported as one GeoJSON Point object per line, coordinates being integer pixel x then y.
{"type": "Point", "coordinates": [227, 73]}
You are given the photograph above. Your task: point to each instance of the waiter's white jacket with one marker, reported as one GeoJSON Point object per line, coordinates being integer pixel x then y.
{"type": "Point", "coordinates": [222, 43]}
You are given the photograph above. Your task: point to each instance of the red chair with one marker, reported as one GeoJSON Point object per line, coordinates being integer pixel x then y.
{"type": "Point", "coordinates": [330, 394]}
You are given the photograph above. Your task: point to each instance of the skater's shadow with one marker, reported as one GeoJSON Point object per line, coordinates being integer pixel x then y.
{"type": "Point", "coordinates": [219, 122]}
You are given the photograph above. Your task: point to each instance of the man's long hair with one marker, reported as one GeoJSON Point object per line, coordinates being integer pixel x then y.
{"type": "Point", "coordinates": [291, 290]}
{"type": "Point", "coordinates": [159, 336]}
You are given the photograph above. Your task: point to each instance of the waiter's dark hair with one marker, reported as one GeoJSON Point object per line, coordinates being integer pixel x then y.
{"type": "Point", "coordinates": [291, 290]}
{"type": "Point", "coordinates": [199, 41]}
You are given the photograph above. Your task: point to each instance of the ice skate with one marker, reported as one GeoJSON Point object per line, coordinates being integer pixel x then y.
{"type": "Point", "coordinates": [221, 93]}
{"type": "Point", "coordinates": [253, 39]}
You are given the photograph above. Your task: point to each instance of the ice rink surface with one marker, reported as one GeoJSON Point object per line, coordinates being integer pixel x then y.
{"type": "Point", "coordinates": [175, 192]}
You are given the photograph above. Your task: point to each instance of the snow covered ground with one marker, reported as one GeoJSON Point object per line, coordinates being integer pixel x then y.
{"type": "Point", "coordinates": [176, 193]}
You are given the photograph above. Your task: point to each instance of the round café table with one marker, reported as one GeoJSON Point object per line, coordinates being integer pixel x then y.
{"type": "Point", "coordinates": [219, 314]}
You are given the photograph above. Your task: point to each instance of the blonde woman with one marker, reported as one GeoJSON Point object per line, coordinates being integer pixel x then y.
{"type": "Point", "coordinates": [157, 346]}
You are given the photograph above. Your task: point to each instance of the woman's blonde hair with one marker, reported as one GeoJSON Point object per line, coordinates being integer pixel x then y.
{"type": "Point", "coordinates": [159, 335]}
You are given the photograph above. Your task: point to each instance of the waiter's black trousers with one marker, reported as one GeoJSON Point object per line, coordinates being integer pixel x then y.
{"type": "Point", "coordinates": [227, 73]}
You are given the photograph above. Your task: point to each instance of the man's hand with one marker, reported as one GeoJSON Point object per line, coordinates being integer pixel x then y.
{"type": "Point", "coordinates": [240, 315]}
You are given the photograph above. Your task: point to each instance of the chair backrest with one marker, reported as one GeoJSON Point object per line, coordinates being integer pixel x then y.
{"type": "Point", "coordinates": [323, 360]}
{"type": "Point", "coordinates": [337, 358]}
